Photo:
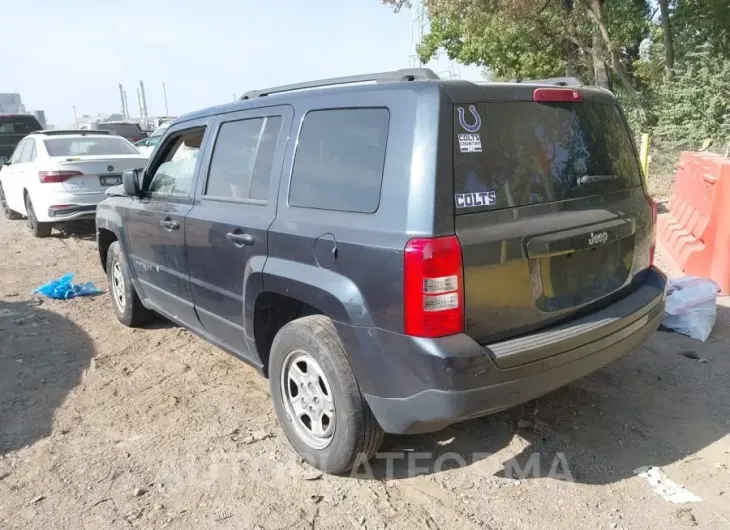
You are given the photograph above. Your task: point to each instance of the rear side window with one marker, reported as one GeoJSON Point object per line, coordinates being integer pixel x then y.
{"type": "Point", "coordinates": [243, 155]}
{"type": "Point", "coordinates": [512, 154]}
{"type": "Point", "coordinates": [340, 159]}
{"type": "Point", "coordinates": [19, 125]}
{"type": "Point", "coordinates": [89, 145]}
{"type": "Point", "coordinates": [28, 154]}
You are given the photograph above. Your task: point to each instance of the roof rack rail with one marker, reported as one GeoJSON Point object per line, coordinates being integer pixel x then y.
{"type": "Point", "coordinates": [560, 81]}
{"type": "Point", "coordinates": [407, 74]}
{"type": "Point", "coordinates": [59, 132]}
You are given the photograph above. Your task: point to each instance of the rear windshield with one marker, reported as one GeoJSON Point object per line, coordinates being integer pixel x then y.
{"type": "Point", "coordinates": [122, 129]}
{"type": "Point", "coordinates": [511, 154]}
{"type": "Point", "coordinates": [18, 125]}
{"type": "Point", "coordinates": [89, 146]}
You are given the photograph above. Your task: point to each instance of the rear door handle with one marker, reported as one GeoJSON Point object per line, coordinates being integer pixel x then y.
{"type": "Point", "coordinates": [169, 224]}
{"type": "Point", "coordinates": [239, 238]}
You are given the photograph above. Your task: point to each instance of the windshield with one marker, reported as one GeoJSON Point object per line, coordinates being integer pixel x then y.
{"type": "Point", "coordinates": [93, 146]}
{"type": "Point", "coordinates": [529, 153]}
{"type": "Point", "coordinates": [18, 125]}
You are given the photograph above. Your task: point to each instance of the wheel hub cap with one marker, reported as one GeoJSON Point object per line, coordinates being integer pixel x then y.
{"type": "Point", "coordinates": [308, 399]}
{"type": "Point", "coordinates": [118, 285]}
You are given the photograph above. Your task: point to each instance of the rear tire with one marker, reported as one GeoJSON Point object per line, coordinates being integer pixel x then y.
{"type": "Point", "coordinates": [127, 305]}
{"type": "Point", "coordinates": [351, 435]}
{"type": "Point", "coordinates": [7, 212]}
{"type": "Point", "coordinates": [36, 228]}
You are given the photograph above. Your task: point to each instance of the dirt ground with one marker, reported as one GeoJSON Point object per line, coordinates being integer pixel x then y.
{"type": "Point", "coordinates": [107, 427]}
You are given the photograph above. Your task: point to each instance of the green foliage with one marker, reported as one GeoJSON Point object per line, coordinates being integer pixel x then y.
{"type": "Point", "coordinates": [696, 104]}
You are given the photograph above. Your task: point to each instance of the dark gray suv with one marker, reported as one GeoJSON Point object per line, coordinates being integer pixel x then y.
{"type": "Point", "coordinates": [395, 256]}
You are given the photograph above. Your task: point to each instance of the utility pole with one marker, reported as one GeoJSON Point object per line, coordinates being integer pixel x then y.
{"type": "Point", "coordinates": [164, 92]}
{"type": "Point", "coordinates": [76, 118]}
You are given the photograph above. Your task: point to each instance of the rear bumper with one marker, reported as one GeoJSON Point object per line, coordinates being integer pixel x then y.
{"type": "Point", "coordinates": [435, 383]}
{"type": "Point", "coordinates": [73, 212]}
{"type": "Point", "coordinates": [77, 206]}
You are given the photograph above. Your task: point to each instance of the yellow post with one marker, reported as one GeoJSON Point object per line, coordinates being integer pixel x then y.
{"type": "Point", "coordinates": [644, 155]}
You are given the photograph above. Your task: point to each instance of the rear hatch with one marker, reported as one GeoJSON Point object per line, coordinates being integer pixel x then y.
{"type": "Point", "coordinates": [549, 208]}
{"type": "Point", "coordinates": [13, 128]}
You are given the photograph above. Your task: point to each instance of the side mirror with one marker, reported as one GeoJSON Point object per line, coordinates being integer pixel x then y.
{"type": "Point", "coordinates": [130, 181]}
{"type": "Point", "coordinates": [6, 160]}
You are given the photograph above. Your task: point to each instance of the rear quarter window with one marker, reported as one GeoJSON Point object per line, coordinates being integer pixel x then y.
{"type": "Point", "coordinates": [530, 153]}
{"type": "Point", "coordinates": [340, 159]}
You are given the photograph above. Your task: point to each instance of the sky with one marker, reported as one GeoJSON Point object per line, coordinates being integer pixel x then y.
{"type": "Point", "coordinates": [75, 52]}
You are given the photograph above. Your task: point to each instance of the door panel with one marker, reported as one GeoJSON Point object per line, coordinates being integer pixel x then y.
{"type": "Point", "coordinates": [228, 225]}
{"type": "Point", "coordinates": [157, 253]}
{"type": "Point", "coordinates": [155, 223]}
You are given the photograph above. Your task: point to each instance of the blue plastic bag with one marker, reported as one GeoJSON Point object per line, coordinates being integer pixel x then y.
{"type": "Point", "coordinates": [63, 289]}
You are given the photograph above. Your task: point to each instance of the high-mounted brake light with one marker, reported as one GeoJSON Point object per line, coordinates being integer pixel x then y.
{"type": "Point", "coordinates": [654, 214]}
{"type": "Point", "coordinates": [433, 287]}
{"type": "Point", "coordinates": [546, 95]}
{"type": "Point", "coordinates": [54, 177]}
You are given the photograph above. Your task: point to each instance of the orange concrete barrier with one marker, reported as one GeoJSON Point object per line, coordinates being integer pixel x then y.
{"type": "Point", "coordinates": [696, 231]}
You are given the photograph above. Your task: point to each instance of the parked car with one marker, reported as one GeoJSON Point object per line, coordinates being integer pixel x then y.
{"type": "Point", "coordinates": [126, 129]}
{"type": "Point", "coordinates": [59, 176]}
{"type": "Point", "coordinates": [147, 145]}
{"type": "Point", "coordinates": [394, 257]}
{"type": "Point", "coordinates": [13, 128]}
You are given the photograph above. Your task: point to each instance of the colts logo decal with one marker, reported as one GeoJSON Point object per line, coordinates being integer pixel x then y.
{"type": "Point", "coordinates": [477, 120]}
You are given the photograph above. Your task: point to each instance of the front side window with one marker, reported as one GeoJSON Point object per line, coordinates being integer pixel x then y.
{"type": "Point", "coordinates": [243, 156]}
{"type": "Point", "coordinates": [340, 159]}
{"type": "Point", "coordinates": [175, 170]}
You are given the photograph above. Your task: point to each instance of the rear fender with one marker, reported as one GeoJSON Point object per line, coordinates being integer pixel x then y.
{"type": "Point", "coordinates": [330, 292]}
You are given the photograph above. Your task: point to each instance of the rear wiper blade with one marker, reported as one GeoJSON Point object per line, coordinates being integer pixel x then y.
{"type": "Point", "coordinates": [590, 179]}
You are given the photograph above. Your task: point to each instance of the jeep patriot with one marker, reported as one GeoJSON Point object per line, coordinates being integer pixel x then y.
{"type": "Point", "coordinates": [395, 252]}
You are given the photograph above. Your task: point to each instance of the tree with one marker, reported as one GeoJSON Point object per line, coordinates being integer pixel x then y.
{"type": "Point", "coordinates": [668, 38]}
{"type": "Point", "coordinates": [538, 38]}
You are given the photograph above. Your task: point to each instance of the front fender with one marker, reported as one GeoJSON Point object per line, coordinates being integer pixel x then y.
{"type": "Point", "coordinates": [108, 218]}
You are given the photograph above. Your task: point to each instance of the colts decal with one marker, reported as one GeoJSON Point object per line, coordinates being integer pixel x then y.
{"type": "Point", "coordinates": [470, 200]}
{"type": "Point", "coordinates": [477, 120]}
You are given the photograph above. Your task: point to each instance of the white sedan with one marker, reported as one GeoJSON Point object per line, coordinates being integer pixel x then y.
{"type": "Point", "coordinates": [60, 176]}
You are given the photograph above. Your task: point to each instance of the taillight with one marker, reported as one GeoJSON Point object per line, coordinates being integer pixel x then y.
{"type": "Point", "coordinates": [51, 177]}
{"type": "Point", "coordinates": [433, 287]}
{"type": "Point", "coordinates": [654, 213]}
{"type": "Point", "coordinates": [545, 95]}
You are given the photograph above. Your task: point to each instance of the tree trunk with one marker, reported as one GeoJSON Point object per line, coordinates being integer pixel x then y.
{"type": "Point", "coordinates": [668, 39]}
{"type": "Point", "coordinates": [595, 12]}
{"type": "Point", "coordinates": [570, 49]}
{"type": "Point", "coordinates": [600, 71]}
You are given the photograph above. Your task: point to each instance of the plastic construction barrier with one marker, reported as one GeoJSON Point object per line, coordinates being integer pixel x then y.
{"type": "Point", "coordinates": [696, 231]}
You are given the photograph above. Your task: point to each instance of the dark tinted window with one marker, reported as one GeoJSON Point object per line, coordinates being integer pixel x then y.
{"type": "Point", "coordinates": [240, 167]}
{"type": "Point", "coordinates": [19, 125]}
{"type": "Point", "coordinates": [89, 145]}
{"type": "Point", "coordinates": [339, 160]}
{"type": "Point", "coordinates": [527, 153]}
